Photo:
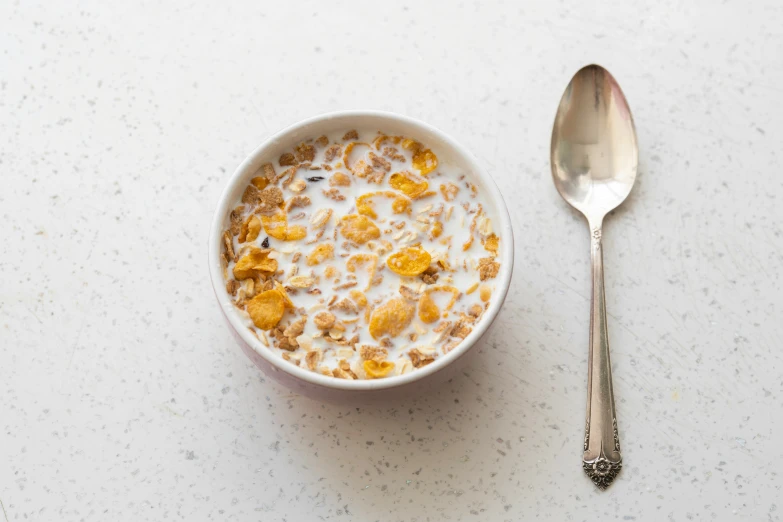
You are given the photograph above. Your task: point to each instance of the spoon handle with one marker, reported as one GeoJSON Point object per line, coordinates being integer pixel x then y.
{"type": "Point", "coordinates": [601, 460]}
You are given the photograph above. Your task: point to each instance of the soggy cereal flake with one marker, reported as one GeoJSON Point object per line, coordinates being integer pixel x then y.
{"type": "Point", "coordinates": [304, 341]}
{"type": "Point", "coordinates": [228, 244]}
{"type": "Point", "coordinates": [333, 194]}
{"type": "Point", "coordinates": [297, 186]}
{"type": "Point", "coordinates": [280, 288]}
{"type": "Point", "coordinates": [430, 275]}
{"type": "Point", "coordinates": [391, 318]}
{"type": "Point", "coordinates": [301, 281]}
{"type": "Point", "coordinates": [324, 320]}
{"type": "Point", "coordinates": [332, 152]}
{"type": "Point", "coordinates": [351, 135]}
{"type": "Point", "coordinates": [250, 229]}
{"type": "Point", "coordinates": [485, 226]}
{"type": "Point", "coordinates": [295, 233]}
{"type": "Point", "coordinates": [460, 330]}
{"type": "Point", "coordinates": [447, 289]}
{"type": "Point", "coordinates": [296, 328]}
{"type": "Point", "coordinates": [485, 293]}
{"type": "Point", "coordinates": [266, 309]}
{"type": "Point", "coordinates": [287, 159]}
{"type": "Point", "coordinates": [365, 202]}
{"type": "Point", "coordinates": [297, 202]}
{"type": "Point", "coordinates": [488, 268]}
{"type": "Point", "coordinates": [409, 185]}
{"type": "Point", "coordinates": [419, 359]}
{"type": "Point", "coordinates": [475, 311]}
{"type": "Point", "coordinates": [491, 244]}
{"type": "Point", "coordinates": [260, 182]}
{"type": "Point", "coordinates": [268, 200]}
{"type": "Point", "coordinates": [343, 374]}
{"type": "Point", "coordinates": [320, 254]}
{"type": "Point", "coordinates": [379, 140]}
{"type": "Point", "coordinates": [232, 286]}
{"type": "Point", "coordinates": [369, 352]}
{"type": "Point", "coordinates": [359, 298]}
{"type": "Point", "coordinates": [353, 153]}
{"type": "Point", "coordinates": [313, 358]}
{"type": "Point", "coordinates": [268, 171]}
{"type": "Point", "coordinates": [236, 220]}
{"type": "Point", "coordinates": [449, 191]}
{"type": "Point", "coordinates": [428, 310]}
{"type": "Point", "coordinates": [322, 141]}
{"type": "Point", "coordinates": [256, 261]}
{"type": "Point", "coordinates": [425, 161]}
{"type": "Point", "coordinates": [251, 195]}
{"type": "Point", "coordinates": [379, 162]}
{"type": "Point", "coordinates": [436, 230]}
{"type": "Point", "coordinates": [361, 169]}
{"type": "Point", "coordinates": [361, 259]}
{"type": "Point", "coordinates": [410, 261]}
{"type": "Point", "coordinates": [339, 179]}
{"type": "Point", "coordinates": [377, 370]}
{"type": "Point", "coordinates": [286, 176]}
{"type": "Point", "coordinates": [277, 227]}
{"type": "Point", "coordinates": [321, 217]}
{"type": "Point", "coordinates": [412, 145]}
{"type": "Point", "coordinates": [409, 293]}
{"type": "Point", "coordinates": [304, 152]}
{"type": "Point", "coordinates": [393, 153]}
{"type": "Point", "coordinates": [450, 346]}
{"type": "Point", "coordinates": [358, 228]}
{"type": "Point", "coordinates": [330, 272]}
{"type": "Point", "coordinates": [347, 306]}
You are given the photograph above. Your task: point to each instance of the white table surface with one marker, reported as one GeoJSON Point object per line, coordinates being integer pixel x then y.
{"type": "Point", "coordinates": [122, 396]}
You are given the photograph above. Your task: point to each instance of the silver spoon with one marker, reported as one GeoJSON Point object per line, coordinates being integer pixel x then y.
{"type": "Point", "coordinates": [594, 157]}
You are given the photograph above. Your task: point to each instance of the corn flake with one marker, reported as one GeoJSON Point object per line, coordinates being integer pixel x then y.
{"type": "Point", "coordinates": [410, 261]}
{"type": "Point", "coordinates": [253, 263]}
{"type": "Point", "coordinates": [266, 309]}
{"type": "Point", "coordinates": [436, 230]}
{"type": "Point", "coordinates": [409, 144]}
{"type": "Point", "coordinates": [282, 291]}
{"type": "Point", "coordinates": [277, 227]}
{"type": "Point", "coordinates": [260, 182]}
{"type": "Point", "coordinates": [359, 298]}
{"type": "Point", "coordinates": [320, 254]}
{"type": "Point", "coordinates": [425, 161]}
{"type": "Point", "coordinates": [377, 370]}
{"type": "Point", "coordinates": [364, 203]}
{"type": "Point", "coordinates": [407, 184]}
{"type": "Point", "coordinates": [428, 310]}
{"type": "Point", "coordinates": [491, 244]}
{"type": "Point", "coordinates": [250, 229]}
{"type": "Point", "coordinates": [444, 288]}
{"type": "Point", "coordinates": [449, 191]}
{"type": "Point", "coordinates": [391, 318]}
{"type": "Point", "coordinates": [359, 146]}
{"type": "Point", "coordinates": [358, 228]}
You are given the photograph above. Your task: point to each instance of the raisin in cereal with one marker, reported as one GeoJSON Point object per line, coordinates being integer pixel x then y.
{"type": "Point", "coordinates": [363, 257]}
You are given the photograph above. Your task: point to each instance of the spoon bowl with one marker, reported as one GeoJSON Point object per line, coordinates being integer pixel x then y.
{"type": "Point", "coordinates": [594, 153]}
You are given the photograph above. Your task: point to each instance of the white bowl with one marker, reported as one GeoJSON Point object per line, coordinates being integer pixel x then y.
{"type": "Point", "coordinates": [449, 152]}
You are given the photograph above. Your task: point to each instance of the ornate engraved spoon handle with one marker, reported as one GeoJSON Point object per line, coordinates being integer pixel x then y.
{"type": "Point", "coordinates": [602, 459]}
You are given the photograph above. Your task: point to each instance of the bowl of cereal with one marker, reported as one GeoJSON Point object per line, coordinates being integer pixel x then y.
{"type": "Point", "coordinates": [360, 251]}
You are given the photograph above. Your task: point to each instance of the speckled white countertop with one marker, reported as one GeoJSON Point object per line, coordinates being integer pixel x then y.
{"type": "Point", "coordinates": [122, 396]}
